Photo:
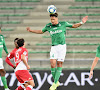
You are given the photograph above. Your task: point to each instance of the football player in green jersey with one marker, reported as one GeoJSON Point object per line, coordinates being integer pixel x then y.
{"type": "Point", "coordinates": [57, 32]}
{"type": "Point", "coordinates": [95, 61]}
{"type": "Point", "coordinates": [2, 71]}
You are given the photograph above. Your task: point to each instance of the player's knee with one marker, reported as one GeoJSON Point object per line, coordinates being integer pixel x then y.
{"type": "Point", "coordinates": [31, 83]}
{"type": "Point", "coordinates": [2, 72]}
{"type": "Point", "coordinates": [53, 65]}
{"type": "Point", "coordinates": [59, 64]}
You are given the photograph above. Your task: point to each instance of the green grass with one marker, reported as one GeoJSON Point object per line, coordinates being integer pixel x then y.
{"type": "Point", "coordinates": [15, 15]}
{"type": "Point", "coordinates": [7, 8]}
{"type": "Point", "coordinates": [83, 7]}
{"type": "Point", "coordinates": [4, 1]}
{"type": "Point", "coordinates": [7, 29]}
{"type": "Point", "coordinates": [87, 0]}
{"type": "Point", "coordinates": [34, 52]}
{"type": "Point", "coordinates": [10, 22]}
{"type": "Point", "coordinates": [78, 68]}
{"type": "Point", "coordinates": [69, 44]}
{"type": "Point", "coordinates": [77, 14]}
{"type": "Point", "coordinates": [77, 36]}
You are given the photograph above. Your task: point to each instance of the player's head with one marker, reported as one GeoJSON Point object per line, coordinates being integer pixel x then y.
{"type": "Point", "coordinates": [21, 42]}
{"type": "Point", "coordinates": [54, 18]}
{"type": "Point", "coordinates": [15, 42]}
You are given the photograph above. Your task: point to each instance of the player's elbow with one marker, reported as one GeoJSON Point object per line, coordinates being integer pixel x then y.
{"type": "Point", "coordinates": [74, 26]}
{"type": "Point", "coordinates": [7, 59]}
{"type": "Point", "coordinates": [40, 32]}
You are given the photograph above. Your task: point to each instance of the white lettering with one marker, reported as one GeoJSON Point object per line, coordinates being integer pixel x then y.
{"type": "Point", "coordinates": [72, 75]}
{"type": "Point", "coordinates": [40, 82]}
{"type": "Point", "coordinates": [83, 79]}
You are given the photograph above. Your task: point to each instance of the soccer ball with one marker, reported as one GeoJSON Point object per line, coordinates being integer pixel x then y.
{"type": "Point", "coordinates": [51, 9]}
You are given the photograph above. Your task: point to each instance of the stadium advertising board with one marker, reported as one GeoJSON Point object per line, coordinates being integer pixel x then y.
{"type": "Point", "coordinates": [70, 80]}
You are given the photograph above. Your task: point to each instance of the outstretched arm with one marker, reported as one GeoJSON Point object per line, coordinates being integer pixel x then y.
{"type": "Point", "coordinates": [34, 31]}
{"type": "Point", "coordinates": [93, 66]}
{"type": "Point", "coordinates": [82, 22]}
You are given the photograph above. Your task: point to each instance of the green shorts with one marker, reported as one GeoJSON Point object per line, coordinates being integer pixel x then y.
{"type": "Point", "coordinates": [98, 52]}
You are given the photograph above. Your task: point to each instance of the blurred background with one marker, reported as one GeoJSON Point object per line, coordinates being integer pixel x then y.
{"type": "Point", "coordinates": [17, 15]}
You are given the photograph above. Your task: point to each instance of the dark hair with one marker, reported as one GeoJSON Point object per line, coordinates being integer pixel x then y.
{"type": "Point", "coordinates": [16, 39]}
{"type": "Point", "coordinates": [20, 42]}
{"type": "Point", "coordinates": [54, 15]}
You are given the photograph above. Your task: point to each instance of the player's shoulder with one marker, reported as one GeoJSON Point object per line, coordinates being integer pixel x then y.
{"type": "Point", "coordinates": [14, 50]}
{"type": "Point", "coordinates": [62, 22]}
{"type": "Point", "coordinates": [48, 25]}
{"type": "Point", "coordinates": [1, 35]}
{"type": "Point", "coordinates": [98, 47]}
{"type": "Point", "coordinates": [24, 49]}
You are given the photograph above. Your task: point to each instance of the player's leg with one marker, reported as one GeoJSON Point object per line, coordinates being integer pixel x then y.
{"type": "Point", "coordinates": [58, 72]}
{"type": "Point", "coordinates": [53, 67]}
{"type": "Point", "coordinates": [3, 78]}
{"type": "Point", "coordinates": [25, 78]}
{"type": "Point", "coordinates": [30, 85]}
{"type": "Point", "coordinates": [3, 72]}
{"type": "Point", "coordinates": [21, 87]}
{"type": "Point", "coordinates": [53, 57]}
{"type": "Point", "coordinates": [61, 50]}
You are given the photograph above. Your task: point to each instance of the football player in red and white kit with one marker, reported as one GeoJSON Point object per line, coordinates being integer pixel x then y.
{"type": "Point", "coordinates": [21, 71]}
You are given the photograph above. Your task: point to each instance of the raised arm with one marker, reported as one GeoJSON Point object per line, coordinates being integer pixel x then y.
{"type": "Point", "coordinates": [34, 31]}
{"type": "Point", "coordinates": [82, 22]}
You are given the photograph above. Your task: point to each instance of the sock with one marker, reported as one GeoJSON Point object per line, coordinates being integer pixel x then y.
{"type": "Point", "coordinates": [57, 75]}
{"type": "Point", "coordinates": [29, 87]}
{"type": "Point", "coordinates": [20, 88]}
{"type": "Point", "coordinates": [4, 82]}
{"type": "Point", "coordinates": [53, 71]}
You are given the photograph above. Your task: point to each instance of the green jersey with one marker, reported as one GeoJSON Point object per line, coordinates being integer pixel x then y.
{"type": "Point", "coordinates": [2, 45]}
{"type": "Point", "coordinates": [57, 32]}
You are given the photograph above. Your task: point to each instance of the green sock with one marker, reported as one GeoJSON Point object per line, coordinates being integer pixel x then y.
{"type": "Point", "coordinates": [4, 82]}
{"type": "Point", "coordinates": [57, 75]}
{"type": "Point", "coordinates": [53, 71]}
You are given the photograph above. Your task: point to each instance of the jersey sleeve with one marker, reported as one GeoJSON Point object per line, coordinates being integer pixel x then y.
{"type": "Point", "coordinates": [98, 52]}
{"type": "Point", "coordinates": [10, 55]}
{"type": "Point", "coordinates": [44, 29]}
{"type": "Point", "coordinates": [68, 24]}
{"type": "Point", "coordinates": [4, 46]}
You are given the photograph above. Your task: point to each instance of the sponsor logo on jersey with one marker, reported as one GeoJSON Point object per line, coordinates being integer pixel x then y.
{"type": "Point", "coordinates": [55, 28]}
{"type": "Point", "coordinates": [54, 32]}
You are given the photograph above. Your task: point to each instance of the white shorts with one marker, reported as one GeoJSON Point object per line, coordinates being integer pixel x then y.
{"type": "Point", "coordinates": [1, 64]}
{"type": "Point", "coordinates": [58, 52]}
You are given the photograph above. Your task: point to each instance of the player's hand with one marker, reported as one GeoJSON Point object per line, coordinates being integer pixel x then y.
{"type": "Point", "coordinates": [28, 29]}
{"type": "Point", "coordinates": [85, 19]}
{"type": "Point", "coordinates": [28, 67]}
{"type": "Point", "coordinates": [91, 74]}
{"type": "Point", "coordinates": [14, 67]}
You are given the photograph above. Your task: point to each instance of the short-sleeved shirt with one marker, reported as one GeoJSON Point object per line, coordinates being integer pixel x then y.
{"type": "Point", "coordinates": [57, 32]}
{"type": "Point", "coordinates": [11, 54]}
{"type": "Point", "coordinates": [16, 54]}
{"type": "Point", "coordinates": [98, 51]}
{"type": "Point", "coordinates": [2, 45]}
